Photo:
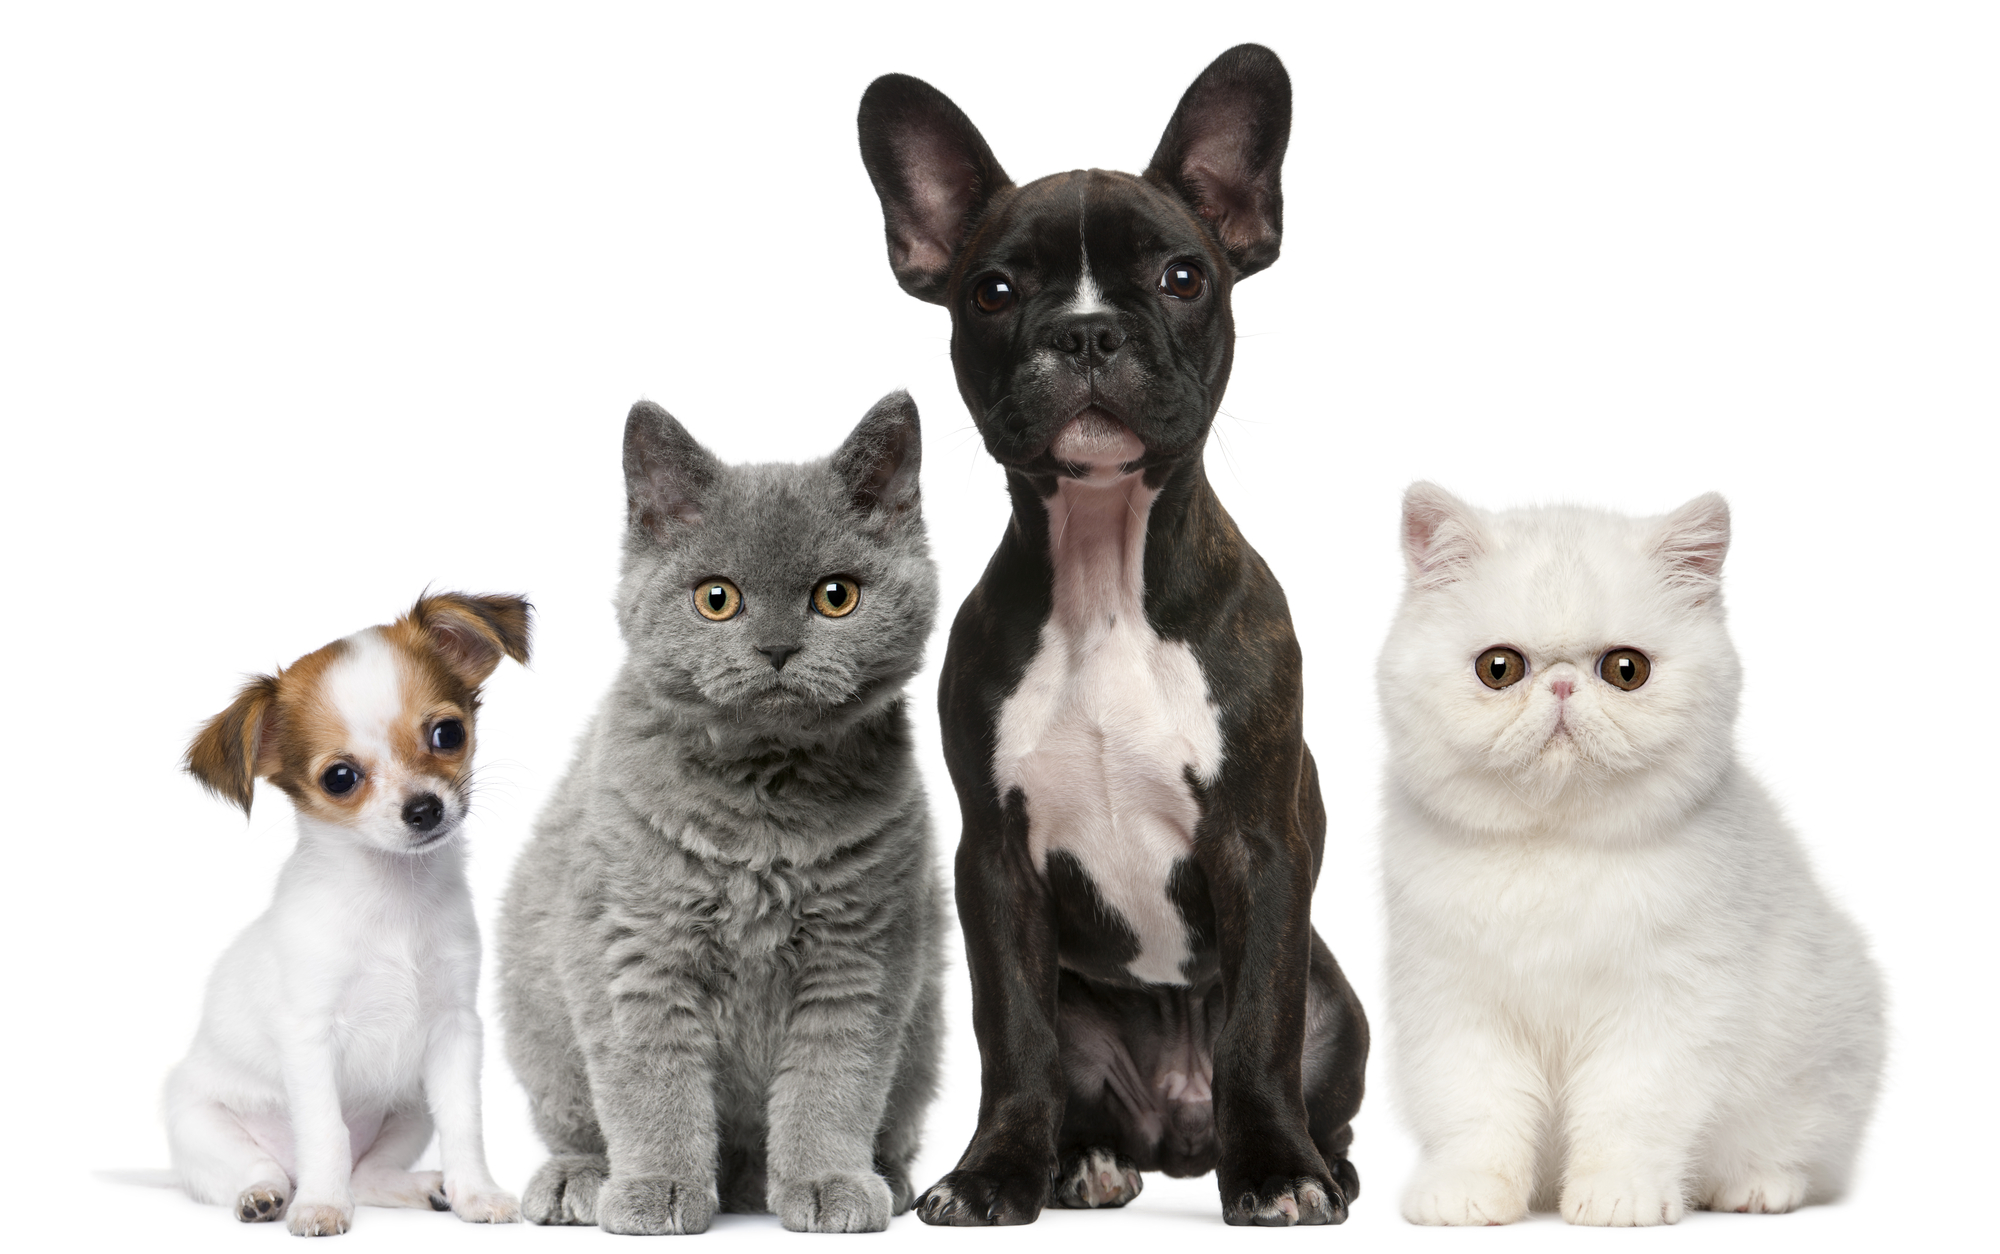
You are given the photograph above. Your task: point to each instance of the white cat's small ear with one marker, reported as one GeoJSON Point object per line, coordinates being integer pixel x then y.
{"type": "Point", "coordinates": [1694, 540]}
{"type": "Point", "coordinates": [881, 461]}
{"type": "Point", "coordinates": [666, 472]}
{"type": "Point", "coordinates": [1441, 536]}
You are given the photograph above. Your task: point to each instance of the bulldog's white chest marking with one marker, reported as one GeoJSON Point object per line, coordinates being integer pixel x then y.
{"type": "Point", "coordinates": [1108, 720]}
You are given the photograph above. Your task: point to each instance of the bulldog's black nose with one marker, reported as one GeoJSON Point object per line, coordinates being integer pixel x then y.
{"type": "Point", "coordinates": [423, 813]}
{"type": "Point", "coordinates": [777, 653]}
{"type": "Point", "coordinates": [1092, 338]}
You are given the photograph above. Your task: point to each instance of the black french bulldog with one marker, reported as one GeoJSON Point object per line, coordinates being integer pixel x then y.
{"type": "Point", "coordinates": [1121, 698]}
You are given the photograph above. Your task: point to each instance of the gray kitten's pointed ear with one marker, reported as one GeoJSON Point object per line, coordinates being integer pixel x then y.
{"type": "Point", "coordinates": [1224, 147]}
{"type": "Point", "coordinates": [667, 473]}
{"type": "Point", "coordinates": [880, 462]}
{"type": "Point", "coordinates": [1441, 536]}
{"type": "Point", "coordinates": [1692, 542]}
{"type": "Point", "coordinates": [933, 172]}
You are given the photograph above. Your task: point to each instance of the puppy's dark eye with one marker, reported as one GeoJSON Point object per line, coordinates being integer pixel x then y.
{"type": "Point", "coordinates": [449, 734]}
{"type": "Point", "coordinates": [717, 599]}
{"type": "Point", "coordinates": [1183, 280]}
{"type": "Point", "coordinates": [1501, 667]}
{"type": "Point", "coordinates": [992, 294]}
{"type": "Point", "coordinates": [340, 779]}
{"type": "Point", "coordinates": [836, 598]}
{"type": "Point", "coordinates": [1624, 668]}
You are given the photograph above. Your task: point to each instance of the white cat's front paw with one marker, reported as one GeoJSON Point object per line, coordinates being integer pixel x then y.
{"type": "Point", "coordinates": [1761, 1193]}
{"type": "Point", "coordinates": [1615, 1199]}
{"type": "Point", "coordinates": [837, 1203]}
{"type": "Point", "coordinates": [1462, 1196]}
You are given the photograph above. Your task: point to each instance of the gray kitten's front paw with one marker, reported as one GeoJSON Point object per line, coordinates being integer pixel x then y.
{"type": "Point", "coordinates": [841, 1203]}
{"type": "Point", "coordinates": [564, 1190]}
{"type": "Point", "coordinates": [655, 1205]}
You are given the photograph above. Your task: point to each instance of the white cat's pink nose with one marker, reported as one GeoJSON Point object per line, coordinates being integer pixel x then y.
{"type": "Point", "coordinates": [1563, 688]}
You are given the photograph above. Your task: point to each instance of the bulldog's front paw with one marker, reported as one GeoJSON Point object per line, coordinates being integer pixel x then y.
{"type": "Point", "coordinates": [971, 1199]}
{"type": "Point", "coordinates": [655, 1205]}
{"type": "Point", "coordinates": [1280, 1202]}
{"type": "Point", "coordinates": [261, 1203]}
{"type": "Point", "coordinates": [308, 1218]}
{"type": "Point", "coordinates": [1616, 1199]}
{"type": "Point", "coordinates": [564, 1190]}
{"type": "Point", "coordinates": [1463, 1196]}
{"type": "Point", "coordinates": [838, 1203]}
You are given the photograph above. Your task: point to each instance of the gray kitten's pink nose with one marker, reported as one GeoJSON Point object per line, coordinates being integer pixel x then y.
{"type": "Point", "coordinates": [1563, 688]}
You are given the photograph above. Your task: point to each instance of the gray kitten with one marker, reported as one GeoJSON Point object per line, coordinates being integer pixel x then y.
{"type": "Point", "coordinates": [720, 953]}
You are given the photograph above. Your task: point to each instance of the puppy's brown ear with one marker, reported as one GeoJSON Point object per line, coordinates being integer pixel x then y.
{"type": "Point", "coordinates": [472, 633]}
{"type": "Point", "coordinates": [238, 744]}
{"type": "Point", "coordinates": [1224, 147]}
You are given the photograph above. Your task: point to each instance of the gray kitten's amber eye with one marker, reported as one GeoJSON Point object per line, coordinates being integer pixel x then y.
{"type": "Point", "coordinates": [1499, 667]}
{"type": "Point", "coordinates": [1624, 668]}
{"type": "Point", "coordinates": [836, 598]}
{"type": "Point", "coordinates": [717, 599]}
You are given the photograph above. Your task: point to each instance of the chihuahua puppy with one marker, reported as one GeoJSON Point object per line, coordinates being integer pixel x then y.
{"type": "Point", "coordinates": [344, 1021]}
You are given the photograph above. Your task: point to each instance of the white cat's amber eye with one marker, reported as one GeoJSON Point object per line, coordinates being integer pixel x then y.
{"type": "Point", "coordinates": [1501, 667]}
{"type": "Point", "coordinates": [717, 599]}
{"type": "Point", "coordinates": [1624, 668]}
{"type": "Point", "coordinates": [836, 598]}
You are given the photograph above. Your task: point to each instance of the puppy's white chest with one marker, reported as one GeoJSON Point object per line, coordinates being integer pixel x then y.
{"type": "Point", "coordinates": [1107, 725]}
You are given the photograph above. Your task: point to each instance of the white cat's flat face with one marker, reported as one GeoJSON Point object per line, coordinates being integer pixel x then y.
{"type": "Point", "coordinates": [1559, 669]}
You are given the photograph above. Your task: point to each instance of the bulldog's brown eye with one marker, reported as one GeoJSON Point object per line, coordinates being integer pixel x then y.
{"type": "Point", "coordinates": [992, 294]}
{"type": "Point", "coordinates": [1501, 667]}
{"type": "Point", "coordinates": [1183, 280]}
{"type": "Point", "coordinates": [717, 599]}
{"type": "Point", "coordinates": [1624, 668]}
{"type": "Point", "coordinates": [836, 598]}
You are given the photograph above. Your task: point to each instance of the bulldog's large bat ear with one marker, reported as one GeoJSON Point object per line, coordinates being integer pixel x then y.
{"type": "Point", "coordinates": [1223, 150]}
{"type": "Point", "coordinates": [933, 172]}
{"type": "Point", "coordinates": [881, 460]}
{"type": "Point", "coordinates": [666, 473]}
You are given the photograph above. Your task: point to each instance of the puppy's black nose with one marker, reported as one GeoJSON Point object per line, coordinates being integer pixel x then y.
{"type": "Point", "coordinates": [777, 653]}
{"type": "Point", "coordinates": [424, 813]}
{"type": "Point", "coordinates": [1091, 338]}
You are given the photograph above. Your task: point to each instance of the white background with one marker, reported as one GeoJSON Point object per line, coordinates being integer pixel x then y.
{"type": "Point", "coordinates": [301, 312]}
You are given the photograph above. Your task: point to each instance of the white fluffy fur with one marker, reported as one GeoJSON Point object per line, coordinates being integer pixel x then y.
{"type": "Point", "coordinates": [344, 1019]}
{"type": "Point", "coordinates": [1614, 983]}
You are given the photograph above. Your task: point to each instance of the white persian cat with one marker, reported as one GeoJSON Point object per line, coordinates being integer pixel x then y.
{"type": "Point", "coordinates": [1614, 984]}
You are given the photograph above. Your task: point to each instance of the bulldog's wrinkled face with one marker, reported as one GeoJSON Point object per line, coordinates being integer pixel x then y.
{"type": "Point", "coordinates": [1091, 330]}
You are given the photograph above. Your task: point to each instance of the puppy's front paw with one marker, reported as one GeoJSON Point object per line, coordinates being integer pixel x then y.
{"type": "Point", "coordinates": [1463, 1196]}
{"type": "Point", "coordinates": [261, 1203]}
{"type": "Point", "coordinates": [482, 1203]}
{"type": "Point", "coordinates": [655, 1205]}
{"type": "Point", "coordinates": [1096, 1177]}
{"type": "Point", "coordinates": [418, 1190]}
{"type": "Point", "coordinates": [319, 1219]}
{"type": "Point", "coordinates": [967, 1199]}
{"type": "Point", "coordinates": [839, 1203]}
{"type": "Point", "coordinates": [564, 1190]}
{"type": "Point", "coordinates": [1280, 1203]}
{"type": "Point", "coordinates": [1614, 1199]}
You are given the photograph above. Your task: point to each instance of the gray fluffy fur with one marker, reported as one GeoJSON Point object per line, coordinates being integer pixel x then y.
{"type": "Point", "coordinates": [720, 953]}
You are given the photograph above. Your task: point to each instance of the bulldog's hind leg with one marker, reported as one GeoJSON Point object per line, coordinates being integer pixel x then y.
{"type": "Point", "coordinates": [1335, 1062]}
